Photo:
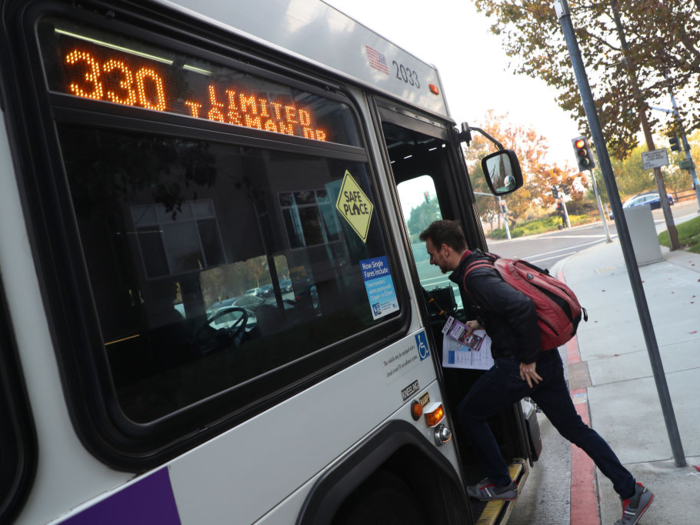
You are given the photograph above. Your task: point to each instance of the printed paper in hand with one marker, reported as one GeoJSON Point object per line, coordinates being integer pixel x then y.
{"type": "Point", "coordinates": [460, 351]}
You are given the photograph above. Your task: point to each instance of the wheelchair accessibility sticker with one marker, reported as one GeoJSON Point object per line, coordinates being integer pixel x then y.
{"type": "Point", "coordinates": [422, 344]}
{"type": "Point", "coordinates": [401, 358]}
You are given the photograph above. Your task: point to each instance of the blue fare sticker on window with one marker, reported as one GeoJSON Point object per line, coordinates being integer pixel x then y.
{"type": "Point", "coordinates": [379, 286]}
{"type": "Point", "coordinates": [422, 344]}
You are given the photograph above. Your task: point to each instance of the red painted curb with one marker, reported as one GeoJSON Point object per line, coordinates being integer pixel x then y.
{"type": "Point", "coordinates": [584, 500]}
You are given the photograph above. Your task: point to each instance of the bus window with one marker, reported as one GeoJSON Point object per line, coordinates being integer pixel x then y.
{"type": "Point", "coordinates": [226, 251]}
{"type": "Point", "coordinates": [421, 207]}
{"type": "Point", "coordinates": [204, 283]}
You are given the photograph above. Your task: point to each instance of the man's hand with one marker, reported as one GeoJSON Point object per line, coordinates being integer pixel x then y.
{"type": "Point", "coordinates": [472, 325]}
{"type": "Point", "coordinates": [529, 373]}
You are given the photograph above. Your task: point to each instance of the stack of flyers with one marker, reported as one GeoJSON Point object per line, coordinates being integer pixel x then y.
{"type": "Point", "coordinates": [459, 332]}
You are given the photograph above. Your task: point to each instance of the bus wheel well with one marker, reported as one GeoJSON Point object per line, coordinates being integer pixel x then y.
{"type": "Point", "coordinates": [383, 498]}
{"type": "Point", "coordinates": [397, 465]}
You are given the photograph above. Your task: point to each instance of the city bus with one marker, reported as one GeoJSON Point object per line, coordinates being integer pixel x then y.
{"type": "Point", "coordinates": [212, 309]}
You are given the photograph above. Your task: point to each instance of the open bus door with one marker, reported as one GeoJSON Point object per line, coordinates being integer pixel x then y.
{"type": "Point", "coordinates": [432, 183]}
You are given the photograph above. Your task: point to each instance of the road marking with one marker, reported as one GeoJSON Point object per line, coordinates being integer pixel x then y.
{"type": "Point", "coordinates": [538, 256]}
{"type": "Point", "coordinates": [580, 236]}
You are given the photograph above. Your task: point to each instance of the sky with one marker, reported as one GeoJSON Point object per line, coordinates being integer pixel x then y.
{"type": "Point", "coordinates": [451, 35]}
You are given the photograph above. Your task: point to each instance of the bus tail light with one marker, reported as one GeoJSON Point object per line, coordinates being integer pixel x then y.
{"type": "Point", "coordinates": [434, 414]}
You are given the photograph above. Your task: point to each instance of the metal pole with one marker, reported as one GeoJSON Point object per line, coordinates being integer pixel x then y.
{"type": "Point", "coordinates": [686, 148]}
{"type": "Point", "coordinates": [600, 206]}
{"type": "Point", "coordinates": [566, 213]}
{"type": "Point", "coordinates": [505, 217]}
{"type": "Point", "coordinates": [501, 213]}
{"type": "Point", "coordinates": [564, 15]}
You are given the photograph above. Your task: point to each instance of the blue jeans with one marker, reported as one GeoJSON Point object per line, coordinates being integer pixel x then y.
{"type": "Point", "coordinates": [501, 387]}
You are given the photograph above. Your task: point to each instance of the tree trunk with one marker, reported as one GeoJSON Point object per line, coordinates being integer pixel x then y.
{"type": "Point", "coordinates": [642, 107]}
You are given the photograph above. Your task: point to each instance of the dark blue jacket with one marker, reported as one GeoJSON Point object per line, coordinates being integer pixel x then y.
{"type": "Point", "coordinates": [507, 315]}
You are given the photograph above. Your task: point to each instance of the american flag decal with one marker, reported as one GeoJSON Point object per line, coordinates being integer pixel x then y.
{"type": "Point", "coordinates": [377, 60]}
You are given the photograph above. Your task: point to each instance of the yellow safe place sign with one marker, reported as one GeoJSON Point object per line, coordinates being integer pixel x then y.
{"type": "Point", "coordinates": [354, 206]}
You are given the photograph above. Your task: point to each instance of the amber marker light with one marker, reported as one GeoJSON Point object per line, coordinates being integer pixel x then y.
{"type": "Point", "coordinates": [434, 89]}
{"type": "Point", "coordinates": [435, 415]}
{"type": "Point", "coordinates": [416, 410]}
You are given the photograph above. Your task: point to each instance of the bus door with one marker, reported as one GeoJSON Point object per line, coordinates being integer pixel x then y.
{"type": "Point", "coordinates": [432, 183]}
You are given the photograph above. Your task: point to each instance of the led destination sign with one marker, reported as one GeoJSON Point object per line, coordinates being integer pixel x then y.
{"type": "Point", "coordinates": [91, 64]}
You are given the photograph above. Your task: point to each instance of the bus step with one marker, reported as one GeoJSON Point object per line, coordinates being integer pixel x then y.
{"type": "Point", "coordinates": [498, 512]}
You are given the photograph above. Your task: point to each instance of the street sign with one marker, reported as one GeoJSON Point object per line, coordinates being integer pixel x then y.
{"type": "Point", "coordinates": [354, 206]}
{"type": "Point", "coordinates": [655, 159]}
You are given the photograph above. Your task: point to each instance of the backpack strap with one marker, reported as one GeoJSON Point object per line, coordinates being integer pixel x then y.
{"type": "Point", "coordinates": [486, 262]}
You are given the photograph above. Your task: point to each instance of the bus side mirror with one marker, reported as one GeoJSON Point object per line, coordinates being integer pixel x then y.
{"type": "Point", "coordinates": [502, 172]}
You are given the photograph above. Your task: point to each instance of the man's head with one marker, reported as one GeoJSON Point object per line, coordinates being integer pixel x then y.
{"type": "Point", "coordinates": [445, 243]}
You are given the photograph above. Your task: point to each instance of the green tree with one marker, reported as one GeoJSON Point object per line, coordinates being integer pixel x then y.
{"type": "Point", "coordinates": [422, 216]}
{"type": "Point", "coordinates": [539, 173]}
{"type": "Point", "coordinates": [621, 41]}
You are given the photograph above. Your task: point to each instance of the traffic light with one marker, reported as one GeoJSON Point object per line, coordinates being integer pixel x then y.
{"type": "Point", "coordinates": [566, 189]}
{"type": "Point", "coordinates": [584, 155]}
{"type": "Point", "coordinates": [555, 192]}
{"type": "Point", "coordinates": [427, 198]}
{"type": "Point", "coordinates": [675, 146]}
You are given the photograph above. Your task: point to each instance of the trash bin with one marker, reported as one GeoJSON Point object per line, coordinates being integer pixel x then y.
{"type": "Point", "coordinates": [645, 240]}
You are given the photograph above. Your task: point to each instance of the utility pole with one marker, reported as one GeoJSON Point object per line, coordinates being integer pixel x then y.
{"type": "Point", "coordinates": [564, 16]}
{"type": "Point", "coordinates": [566, 213]}
{"type": "Point", "coordinates": [600, 206]}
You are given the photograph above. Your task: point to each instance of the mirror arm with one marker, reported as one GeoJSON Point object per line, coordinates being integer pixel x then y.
{"type": "Point", "coordinates": [466, 135]}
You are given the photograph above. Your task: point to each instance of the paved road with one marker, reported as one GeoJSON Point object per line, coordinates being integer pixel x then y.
{"type": "Point", "coordinates": [546, 249]}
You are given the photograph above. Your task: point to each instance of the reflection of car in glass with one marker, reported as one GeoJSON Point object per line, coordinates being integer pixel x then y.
{"type": "Point", "coordinates": [267, 291]}
{"type": "Point", "coordinates": [250, 302]}
{"type": "Point", "coordinates": [651, 198]}
{"type": "Point", "coordinates": [286, 285]}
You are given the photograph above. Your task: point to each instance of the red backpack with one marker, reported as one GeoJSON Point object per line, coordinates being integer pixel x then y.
{"type": "Point", "coordinates": [558, 310]}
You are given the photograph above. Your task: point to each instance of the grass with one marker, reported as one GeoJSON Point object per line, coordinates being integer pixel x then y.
{"type": "Point", "coordinates": [536, 226]}
{"type": "Point", "coordinates": [688, 235]}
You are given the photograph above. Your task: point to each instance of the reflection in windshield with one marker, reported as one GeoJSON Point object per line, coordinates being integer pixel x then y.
{"type": "Point", "coordinates": [213, 264]}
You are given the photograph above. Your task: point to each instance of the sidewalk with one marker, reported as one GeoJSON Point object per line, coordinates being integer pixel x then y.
{"type": "Point", "coordinates": [614, 379]}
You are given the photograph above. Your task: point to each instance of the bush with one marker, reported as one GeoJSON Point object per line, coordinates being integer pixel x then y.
{"type": "Point", "coordinates": [536, 226]}
{"type": "Point", "coordinates": [581, 207]}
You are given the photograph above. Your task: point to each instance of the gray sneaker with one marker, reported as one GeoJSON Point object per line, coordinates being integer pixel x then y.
{"type": "Point", "coordinates": [487, 491]}
{"type": "Point", "coordinates": [633, 508]}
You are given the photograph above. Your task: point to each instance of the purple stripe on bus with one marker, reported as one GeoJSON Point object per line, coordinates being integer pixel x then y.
{"type": "Point", "coordinates": [146, 502]}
